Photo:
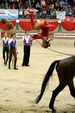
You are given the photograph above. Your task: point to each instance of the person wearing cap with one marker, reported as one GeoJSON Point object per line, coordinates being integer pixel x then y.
{"type": "Point", "coordinates": [12, 52]}
{"type": "Point", "coordinates": [5, 41]}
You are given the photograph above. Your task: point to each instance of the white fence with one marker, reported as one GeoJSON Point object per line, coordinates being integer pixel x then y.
{"type": "Point", "coordinates": [22, 34]}
{"type": "Point", "coordinates": [64, 34]}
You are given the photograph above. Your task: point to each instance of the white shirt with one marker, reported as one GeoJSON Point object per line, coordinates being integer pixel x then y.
{"type": "Point", "coordinates": [26, 38]}
{"type": "Point", "coordinates": [5, 40]}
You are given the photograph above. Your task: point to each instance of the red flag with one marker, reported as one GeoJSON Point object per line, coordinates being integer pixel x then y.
{"type": "Point", "coordinates": [68, 19]}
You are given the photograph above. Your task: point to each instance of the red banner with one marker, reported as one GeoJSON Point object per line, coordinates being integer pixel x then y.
{"type": "Point", "coordinates": [4, 27]}
{"type": "Point", "coordinates": [55, 25]}
{"type": "Point", "coordinates": [68, 19]}
{"type": "Point", "coordinates": [25, 25]}
{"type": "Point", "coordinates": [69, 26]}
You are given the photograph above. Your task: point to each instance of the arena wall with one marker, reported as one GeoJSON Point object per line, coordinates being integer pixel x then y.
{"type": "Point", "coordinates": [22, 31]}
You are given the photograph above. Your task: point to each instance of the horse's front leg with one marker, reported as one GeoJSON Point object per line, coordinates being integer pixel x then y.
{"type": "Point", "coordinates": [55, 93]}
{"type": "Point", "coordinates": [72, 89]}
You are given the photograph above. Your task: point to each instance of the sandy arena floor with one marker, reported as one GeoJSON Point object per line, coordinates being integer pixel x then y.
{"type": "Point", "coordinates": [19, 89]}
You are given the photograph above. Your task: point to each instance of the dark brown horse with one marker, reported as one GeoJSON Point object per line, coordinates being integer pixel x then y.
{"type": "Point", "coordinates": [66, 71]}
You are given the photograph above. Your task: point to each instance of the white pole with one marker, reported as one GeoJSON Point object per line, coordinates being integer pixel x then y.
{"type": "Point", "coordinates": [30, 3]}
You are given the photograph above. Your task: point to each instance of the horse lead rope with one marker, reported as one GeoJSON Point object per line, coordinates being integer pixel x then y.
{"type": "Point", "coordinates": [57, 51]}
{"type": "Point", "coordinates": [61, 52]}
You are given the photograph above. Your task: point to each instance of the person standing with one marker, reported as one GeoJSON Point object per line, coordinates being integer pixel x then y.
{"type": "Point", "coordinates": [12, 43]}
{"type": "Point", "coordinates": [5, 41]}
{"type": "Point", "coordinates": [26, 41]}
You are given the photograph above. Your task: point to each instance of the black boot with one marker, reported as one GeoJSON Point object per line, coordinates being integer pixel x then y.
{"type": "Point", "coordinates": [9, 65]}
{"type": "Point", "coordinates": [4, 59]}
{"type": "Point", "coordinates": [15, 65]}
{"type": "Point", "coordinates": [5, 62]}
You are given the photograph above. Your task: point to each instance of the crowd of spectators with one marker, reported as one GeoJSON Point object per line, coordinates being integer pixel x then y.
{"type": "Point", "coordinates": [46, 8]}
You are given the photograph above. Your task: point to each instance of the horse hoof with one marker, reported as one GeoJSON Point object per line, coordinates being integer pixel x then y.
{"type": "Point", "coordinates": [52, 108]}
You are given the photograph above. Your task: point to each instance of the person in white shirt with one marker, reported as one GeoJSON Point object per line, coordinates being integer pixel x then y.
{"type": "Point", "coordinates": [5, 41]}
{"type": "Point", "coordinates": [12, 52]}
{"type": "Point", "coordinates": [26, 41]}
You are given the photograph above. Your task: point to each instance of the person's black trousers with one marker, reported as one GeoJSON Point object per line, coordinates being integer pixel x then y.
{"type": "Point", "coordinates": [5, 50]}
{"type": "Point", "coordinates": [26, 56]}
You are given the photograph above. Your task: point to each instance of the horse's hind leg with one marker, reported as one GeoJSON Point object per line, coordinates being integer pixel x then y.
{"type": "Point", "coordinates": [55, 93]}
{"type": "Point", "coordinates": [72, 89]}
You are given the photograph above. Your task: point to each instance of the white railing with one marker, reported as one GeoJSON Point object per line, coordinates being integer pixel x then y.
{"type": "Point", "coordinates": [22, 34]}
{"type": "Point", "coordinates": [64, 34]}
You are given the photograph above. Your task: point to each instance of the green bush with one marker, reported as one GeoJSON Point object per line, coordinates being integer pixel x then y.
{"type": "Point", "coordinates": [3, 21]}
{"type": "Point", "coordinates": [9, 25]}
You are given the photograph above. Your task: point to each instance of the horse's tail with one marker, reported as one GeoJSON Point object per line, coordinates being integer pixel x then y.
{"type": "Point", "coordinates": [46, 79]}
